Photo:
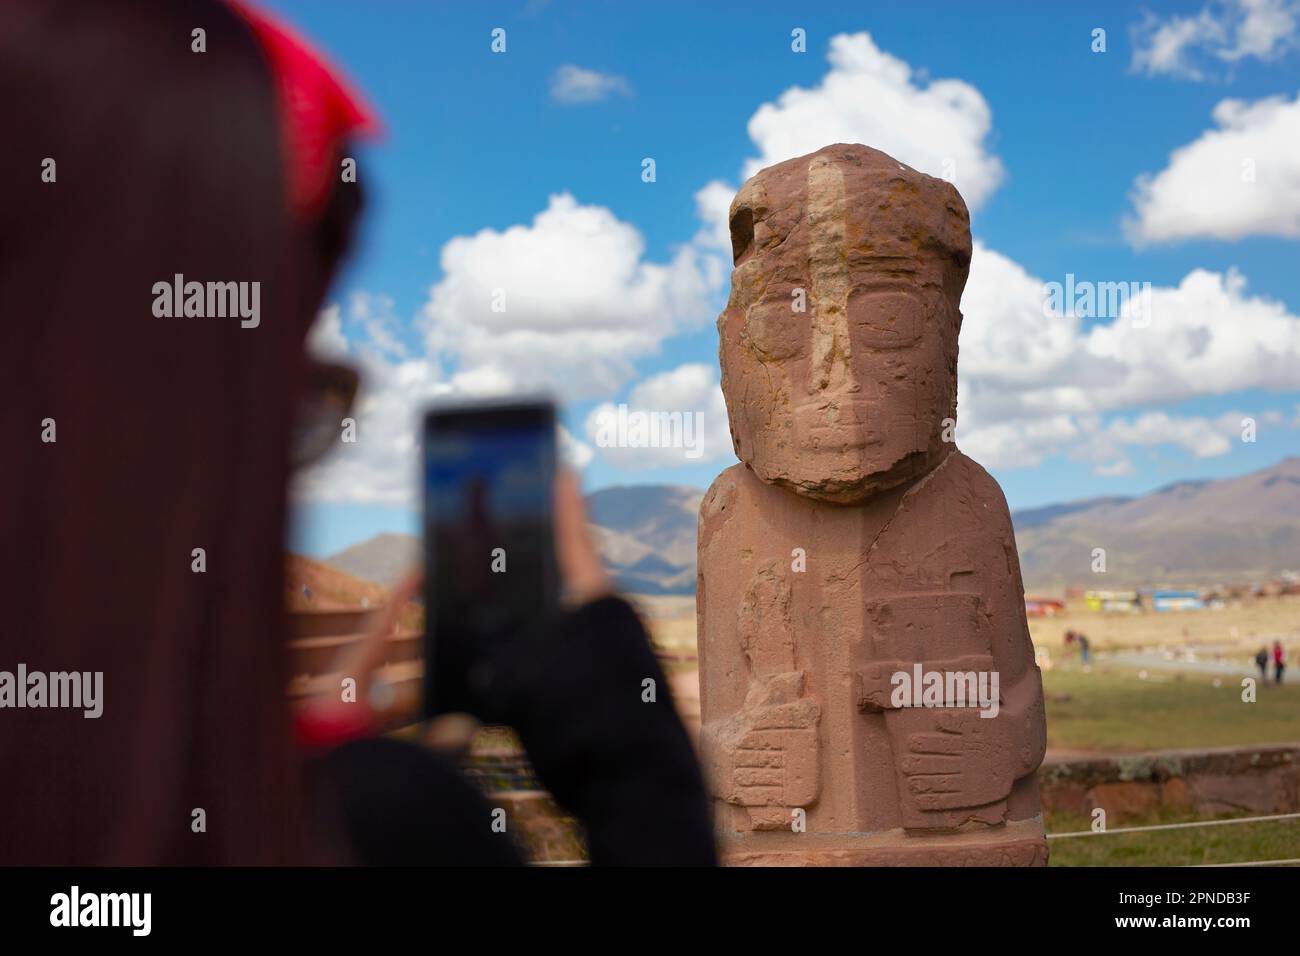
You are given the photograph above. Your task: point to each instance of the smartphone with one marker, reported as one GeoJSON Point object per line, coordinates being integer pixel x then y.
{"type": "Point", "coordinates": [489, 549]}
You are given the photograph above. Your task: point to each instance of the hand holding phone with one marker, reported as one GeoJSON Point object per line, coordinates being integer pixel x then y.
{"type": "Point", "coordinates": [491, 575]}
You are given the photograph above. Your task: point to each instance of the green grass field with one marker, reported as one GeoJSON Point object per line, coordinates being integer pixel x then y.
{"type": "Point", "coordinates": [1234, 843]}
{"type": "Point", "coordinates": [1111, 709]}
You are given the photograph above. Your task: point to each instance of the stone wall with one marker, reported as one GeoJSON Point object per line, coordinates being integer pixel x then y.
{"type": "Point", "coordinates": [1259, 780]}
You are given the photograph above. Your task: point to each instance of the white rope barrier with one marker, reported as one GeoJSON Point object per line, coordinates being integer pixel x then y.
{"type": "Point", "coordinates": [559, 863]}
{"type": "Point", "coordinates": [1079, 833]}
{"type": "Point", "coordinates": [1249, 863]}
{"type": "Point", "coordinates": [1173, 826]}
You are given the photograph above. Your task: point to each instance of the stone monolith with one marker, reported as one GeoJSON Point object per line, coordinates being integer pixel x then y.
{"type": "Point", "coordinates": [868, 688]}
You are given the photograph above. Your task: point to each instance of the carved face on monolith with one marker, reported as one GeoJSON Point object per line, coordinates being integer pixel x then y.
{"type": "Point", "coordinates": [839, 342]}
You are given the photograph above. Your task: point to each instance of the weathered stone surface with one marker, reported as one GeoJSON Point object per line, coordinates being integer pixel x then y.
{"type": "Point", "coordinates": [1018, 844]}
{"type": "Point", "coordinates": [854, 541]}
{"type": "Point", "coordinates": [848, 397]}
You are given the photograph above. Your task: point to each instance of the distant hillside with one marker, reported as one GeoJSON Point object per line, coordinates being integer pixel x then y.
{"type": "Point", "coordinates": [383, 558]}
{"type": "Point", "coordinates": [328, 588]}
{"type": "Point", "coordinates": [1195, 532]}
{"type": "Point", "coordinates": [1198, 532]}
{"type": "Point", "coordinates": [1027, 518]}
{"type": "Point", "coordinates": [646, 534]}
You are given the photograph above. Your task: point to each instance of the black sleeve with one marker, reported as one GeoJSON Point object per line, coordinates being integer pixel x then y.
{"type": "Point", "coordinates": [397, 803]}
{"type": "Point", "coordinates": [611, 752]}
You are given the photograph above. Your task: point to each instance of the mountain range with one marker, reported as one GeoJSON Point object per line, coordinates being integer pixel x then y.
{"type": "Point", "coordinates": [1193, 532]}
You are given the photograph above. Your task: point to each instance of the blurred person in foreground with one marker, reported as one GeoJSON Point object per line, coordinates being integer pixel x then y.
{"type": "Point", "coordinates": [133, 440]}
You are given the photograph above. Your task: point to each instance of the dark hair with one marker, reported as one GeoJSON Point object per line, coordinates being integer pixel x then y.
{"type": "Point", "coordinates": [172, 434]}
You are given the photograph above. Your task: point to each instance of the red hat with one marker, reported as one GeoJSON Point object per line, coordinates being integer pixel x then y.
{"type": "Point", "coordinates": [317, 109]}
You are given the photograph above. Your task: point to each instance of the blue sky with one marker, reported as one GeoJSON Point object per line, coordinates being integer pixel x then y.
{"type": "Point", "coordinates": [477, 140]}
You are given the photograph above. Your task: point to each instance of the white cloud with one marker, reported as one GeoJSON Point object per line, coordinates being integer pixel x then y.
{"type": "Point", "coordinates": [1239, 179]}
{"type": "Point", "coordinates": [578, 302]}
{"type": "Point", "coordinates": [1222, 33]}
{"type": "Point", "coordinates": [1019, 443]}
{"type": "Point", "coordinates": [325, 338]}
{"type": "Point", "coordinates": [1164, 46]}
{"type": "Point", "coordinates": [575, 303]}
{"type": "Point", "coordinates": [1266, 29]}
{"type": "Point", "coordinates": [870, 97]}
{"type": "Point", "coordinates": [374, 313]}
{"type": "Point", "coordinates": [582, 303]}
{"type": "Point", "coordinates": [1207, 336]}
{"type": "Point", "coordinates": [1119, 468]}
{"type": "Point", "coordinates": [1203, 437]}
{"type": "Point", "coordinates": [574, 85]}
{"type": "Point", "coordinates": [1031, 385]}
{"type": "Point", "coordinates": [713, 206]}
{"type": "Point", "coordinates": [575, 454]}
{"type": "Point", "coordinates": [1107, 447]}
{"type": "Point", "coordinates": [380, 466]}
{"type": "Point", "coordinates": [697, 429]}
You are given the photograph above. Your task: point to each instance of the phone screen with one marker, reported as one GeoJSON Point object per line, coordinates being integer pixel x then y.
{"type": "Point", "coordinates": [489, 476]}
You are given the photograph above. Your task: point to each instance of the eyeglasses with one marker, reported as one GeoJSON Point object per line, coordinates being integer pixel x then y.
{"type": "Point", "coordinates": [327, 398]}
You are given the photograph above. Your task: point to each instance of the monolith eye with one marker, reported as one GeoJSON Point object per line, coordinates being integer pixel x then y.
{"type": "Point", "coordinates": [742, 234]}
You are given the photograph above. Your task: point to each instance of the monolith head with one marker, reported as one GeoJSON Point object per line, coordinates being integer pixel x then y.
{"type": "Point", "coordinates": [839, 342]}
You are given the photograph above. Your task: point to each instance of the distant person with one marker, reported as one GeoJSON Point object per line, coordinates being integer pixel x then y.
{"type": "Point", "coordinates": [1261, 661]}
{"type": "Point", "coordinates": [1083, 647]}
{"type": "Point", "coordinates": [1069, 639]}
{"type": "Point", "coordinates": [1279, 662]}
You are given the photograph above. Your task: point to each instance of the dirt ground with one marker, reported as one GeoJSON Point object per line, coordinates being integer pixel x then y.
{"type": "Point", "coordinates": [671, 621]}
{"type": "Point", "coordinates": [1246, 623]}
